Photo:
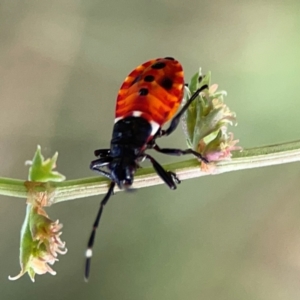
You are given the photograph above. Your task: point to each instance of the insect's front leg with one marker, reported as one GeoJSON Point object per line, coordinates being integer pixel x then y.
{"type": "Point", "coordinates": [168, 177]}
{"type": "Point", "coordinates": [102, 152]}
{"type": "Point", "coordinates": [175, 121]}
{"type": "Point", "coordinates": [99, 163]}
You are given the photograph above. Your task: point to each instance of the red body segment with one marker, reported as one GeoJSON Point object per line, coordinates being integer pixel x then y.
{"type": "Point", "coordinates": [155, 89]}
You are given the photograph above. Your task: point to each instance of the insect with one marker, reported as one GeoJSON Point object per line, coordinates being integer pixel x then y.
{"type": "Point", "coordinates": [149, 97]}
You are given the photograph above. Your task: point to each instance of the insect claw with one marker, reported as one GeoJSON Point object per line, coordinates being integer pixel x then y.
{"type": "Point", "coordinates": [174, 177]}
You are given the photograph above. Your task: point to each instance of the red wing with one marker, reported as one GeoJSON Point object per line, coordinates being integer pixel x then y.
{"type": "Point", "coordinates": [153, 90]}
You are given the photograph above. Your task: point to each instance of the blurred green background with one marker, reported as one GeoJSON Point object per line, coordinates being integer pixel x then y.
{"type": "Point", "coordinates": [232, 236]}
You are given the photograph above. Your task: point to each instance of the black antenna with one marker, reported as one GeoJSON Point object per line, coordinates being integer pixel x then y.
{"type": "Point", "coordinates": [175, 121]}
{"type": "Point", "coordinates": [89, 250]}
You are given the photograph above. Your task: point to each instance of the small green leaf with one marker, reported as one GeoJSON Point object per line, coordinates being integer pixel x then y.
{"type": "Point", "coordinates": [42, 170]}
{"type": "Point", "coordinates": [191, 118]}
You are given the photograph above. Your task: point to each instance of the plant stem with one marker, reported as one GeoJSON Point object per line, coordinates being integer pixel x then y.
{"type": "Point", "coordinates": [81, 188]}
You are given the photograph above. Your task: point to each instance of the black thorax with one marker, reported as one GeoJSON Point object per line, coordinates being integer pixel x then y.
{"type": "Point", "coordinates": [129, 137]}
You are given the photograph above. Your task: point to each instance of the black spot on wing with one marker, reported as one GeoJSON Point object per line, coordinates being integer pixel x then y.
{"type": "Point", "coordinates": [166, 83]}
{"type": "Point", "coordinates": [158, 65]}
{"type": "Point", "coordinates": [169, 58]}
{"type": "Point", "coordinates": [143, 92]}
{"type": "Point", "coordinates": [149, 78]}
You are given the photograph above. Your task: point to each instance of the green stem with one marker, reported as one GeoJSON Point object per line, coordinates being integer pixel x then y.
{"type": "Point", "coordinates": [81, 188]}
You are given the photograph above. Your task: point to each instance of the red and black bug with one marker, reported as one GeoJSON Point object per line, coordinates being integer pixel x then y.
{"type": "Point", "coordinates": [147, 99]}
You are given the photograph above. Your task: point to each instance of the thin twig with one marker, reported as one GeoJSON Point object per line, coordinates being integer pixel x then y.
{"type": "Point", "coordinates": [82, 188]}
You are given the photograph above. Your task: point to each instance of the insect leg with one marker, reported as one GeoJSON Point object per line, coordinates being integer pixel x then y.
{"type": "Point", "coordinates": [178, 152]}
{"type": "Point", "coordinates": [168, 177]}
{"type": "Point", "coordinates": [99, 163]}
{"type": "Point", "coordinates": [89, 251]}
{"type": "Point", "coordinates": [175, 121]}
{"type": "Point", "coordinates": [102, 152]}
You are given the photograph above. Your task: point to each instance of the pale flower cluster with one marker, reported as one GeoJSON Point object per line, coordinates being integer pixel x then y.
{"type": "Point", "coordinates": [40, 243]}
